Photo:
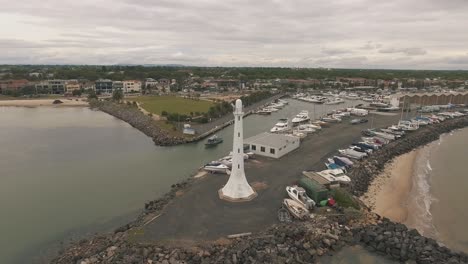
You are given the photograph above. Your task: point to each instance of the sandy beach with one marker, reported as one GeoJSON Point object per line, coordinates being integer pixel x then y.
{"type": "Point", "coordinates": [389, 192]}
{"type": "Point", "coordinates": [43, 102]}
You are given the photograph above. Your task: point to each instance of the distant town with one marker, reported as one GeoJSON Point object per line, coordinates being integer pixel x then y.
{"type": "Point", "coordinates": [73, 80]}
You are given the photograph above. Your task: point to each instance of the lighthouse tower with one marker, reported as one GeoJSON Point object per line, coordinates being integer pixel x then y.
{"type": "Point", "coordinates": [237, 189]}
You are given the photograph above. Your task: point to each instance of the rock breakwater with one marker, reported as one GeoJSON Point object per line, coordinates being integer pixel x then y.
{"type": "Point", "coordinates": [138, 120]}
{"type": "Point", "coordinates": [396, 241]}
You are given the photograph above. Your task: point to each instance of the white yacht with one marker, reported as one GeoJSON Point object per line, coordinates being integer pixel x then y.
{"type": "Point", "coordinates": [305, 129]}
{"type": "Point", "coordinates": [353, 96]}
{"type": "Point", "coordinates": [333, 101]}
{"type": "Point", "coordinates": [303, 116]}
{"type": "Point", "coordinates": [281, 126]}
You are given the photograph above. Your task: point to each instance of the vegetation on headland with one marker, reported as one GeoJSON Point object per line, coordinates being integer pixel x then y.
{"type": "Point", "coordinates": [121, 72]}
{"type": "Point", "coordinates": [173, 104]}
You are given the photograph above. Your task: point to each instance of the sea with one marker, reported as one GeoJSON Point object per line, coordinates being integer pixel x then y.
{"type": "Point", "coordinates": [437, 205]}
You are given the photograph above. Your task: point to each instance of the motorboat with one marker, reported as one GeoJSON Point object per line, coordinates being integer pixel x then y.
{"type": "Point", "coordinates": [366, 145]}
{"type": "Point", "coordinates": [213, 141]}
{"type": "Point", "coordinates": [215, 167]}
{"type": "Point", "coordinates": [358, 112]}
{"type": "Point", "coordinates": [385, 135]}
{"type": "Point", "coordinates": [305, 129]}
{"type": "Point", "coordinates": [375, 140]}
{"type": "Point", "coordinates": [313, 126]}
{"type": "Point", "coordinates": [298, 194]}
{"type": "Point", "coordinates": [379, 104]}
{"type": "Point", "coordinates": [303, 116]}
{"type": "Point", "coordinates": [334, 101]}
{"type": "Point", "coordinates": [335, 175]}
{"type": "Point", "coordinates": [264, 111]}
{"type": "Point", "coordinates": [368, 99]}
{"type": "Point", "coordinates": [284, 102]}
{"type": "Point", "coordinates": [407, 125]}
{"type": "Point", "coordinates": [393, 132]}
{"type": "Point", "coordinates": [330, 119]}
{"type": "Point", "coordinates": [360, 149]}
{"type": "Point", "coordinates": [343, 161]}
{"type": "Point", "coordinates": [352, 96]}
{"type": "Point", "coordinates": [281, 126]}
{"type": "Point", "coordinates": [295, 208]}
{"type": "Point", "coordinates": [272, 109]}
{"type": "Point", "coordinates": [299, 134]}
{"type": "Point", "coordinates": [320, 123]}
{"type": "Point", "coordinates": [276, 105]}
{"type": "Point", "coordinates": [358, 121]}
{"type": "Point", "coordinates": [350, 153]}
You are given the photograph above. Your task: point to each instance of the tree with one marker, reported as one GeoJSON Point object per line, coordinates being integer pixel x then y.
{"type": "Point", "coordinates": [76, 92]}
{"type": "Point", "coordinates": [92, 95]}
{"type": "Point", "coordinates": [117, 95]}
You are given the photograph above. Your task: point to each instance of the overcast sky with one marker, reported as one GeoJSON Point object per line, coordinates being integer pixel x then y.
{"type": "Point", "coordinates": [410, 34]}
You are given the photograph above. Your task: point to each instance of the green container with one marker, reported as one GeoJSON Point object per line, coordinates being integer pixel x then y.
{"type": "Point", "coordinates": [314, 190]}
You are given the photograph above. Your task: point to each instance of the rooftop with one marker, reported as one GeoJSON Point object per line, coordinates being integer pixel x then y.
{"type": "Point", "coordinates": [271, 140]}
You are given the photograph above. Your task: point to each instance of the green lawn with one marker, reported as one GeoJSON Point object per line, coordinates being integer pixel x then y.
{"type": "Point", "coordinates": [172, 104]}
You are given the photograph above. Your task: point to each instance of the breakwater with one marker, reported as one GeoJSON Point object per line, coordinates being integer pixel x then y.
{"type": "Point", "coordinates": [297, 242]}
{"type": "Point", "coordinates": [364, 172]}
{"type": "Point", "coordinates": [138, 120]}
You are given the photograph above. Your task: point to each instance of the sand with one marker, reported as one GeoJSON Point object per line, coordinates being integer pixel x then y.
{"type": "Point", "coordinates": [43, 102]}
{"type": "Point", "coordinates": [389, 192]}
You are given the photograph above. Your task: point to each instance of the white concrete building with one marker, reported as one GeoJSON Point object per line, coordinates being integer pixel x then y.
{"type": "Point", "coordinates": [132, 86]}
{"type": "Point", "coordinates": [272, 145]}
{"type": "Point", "coordinates": [151, 83]}
{"type": "Point", "coordinates": [237, 189]}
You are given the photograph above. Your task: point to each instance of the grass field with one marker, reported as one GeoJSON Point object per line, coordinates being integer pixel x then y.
{"type": "Point", "coordinates": [172, 104]}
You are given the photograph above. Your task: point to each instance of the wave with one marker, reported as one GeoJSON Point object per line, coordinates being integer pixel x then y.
{"type": "Point", "coordinates": [421, 198]}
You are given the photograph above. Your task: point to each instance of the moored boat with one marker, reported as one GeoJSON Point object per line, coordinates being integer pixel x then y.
{"type": "Point", "coordinates": [213, 141]}
{"type": "Point", "coordinates": [303, 116]}
{"type": "Point", "coordinates": [295, 208]}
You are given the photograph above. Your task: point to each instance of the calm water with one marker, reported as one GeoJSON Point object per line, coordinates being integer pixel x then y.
{"type": "Point", "coordinates": [439, 190]}
{"type": "Point", "coordinates": [72, 171]}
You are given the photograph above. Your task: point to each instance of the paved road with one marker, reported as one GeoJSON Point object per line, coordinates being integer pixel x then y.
{"type": "Point", "coordinates": [200, 215]}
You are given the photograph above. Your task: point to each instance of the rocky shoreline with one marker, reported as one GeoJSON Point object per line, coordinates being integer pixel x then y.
{"type": "Point", "coordinates": [138, 120]}
{"type": "Point", "coordinates": [297, 242]}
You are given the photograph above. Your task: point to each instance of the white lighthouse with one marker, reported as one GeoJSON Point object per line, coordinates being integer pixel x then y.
{"type": "Point", "coordinates": [237, 189]}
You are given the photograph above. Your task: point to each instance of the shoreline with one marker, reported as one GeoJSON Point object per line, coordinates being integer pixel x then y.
{"type": "Point", "coordinates": [389, 192]}
{"type": "Point", "coordinates": [66, 102]}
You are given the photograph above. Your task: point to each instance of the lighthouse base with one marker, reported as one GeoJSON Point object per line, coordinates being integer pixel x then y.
{"type": "Point", "coordinates": [236, 200]}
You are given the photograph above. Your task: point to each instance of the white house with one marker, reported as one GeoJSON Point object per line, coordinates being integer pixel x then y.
{"type": "Point", "coordinates": [132, 86]}
{"type": "Point", "coordinates": [272, 145]}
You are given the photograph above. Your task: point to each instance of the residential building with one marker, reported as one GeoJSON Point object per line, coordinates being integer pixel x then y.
{"type": "Point", "coordinates": [272, 145]}
{"type": "Point", "coordinates": [71, 86]}
{"type": "Point", "coordinates": [103, 86]}
{"type": "Point", "coordinates": [118, 85]}
{"type": "Point", "coordinates": [51, 86]}
{"type": "Point", "coordinates": [132, 86]}
{"type": "Point", "coordinates": [35, 74]}
{"type": "Point", "coordinates": [151, 83]}
{"type": "Point", "coordinates": [12, 85]}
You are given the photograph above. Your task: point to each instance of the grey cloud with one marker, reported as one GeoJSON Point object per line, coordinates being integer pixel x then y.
{"type": "Point", "coordinates": [335, 51]}
{"type": "Point", "coordinates": [235, 32]}
{"type": "Point", "coordinates": [406, 51]}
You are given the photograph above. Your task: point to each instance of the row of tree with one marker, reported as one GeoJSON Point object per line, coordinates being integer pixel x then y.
{"type": "Point", "coordinates": [181, 73]}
